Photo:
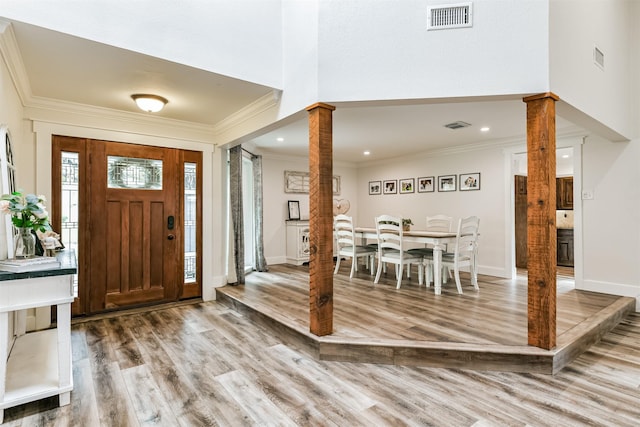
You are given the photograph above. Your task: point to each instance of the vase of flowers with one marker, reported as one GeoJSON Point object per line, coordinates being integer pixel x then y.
{"type": "Point", "coordinates": [28, 214]}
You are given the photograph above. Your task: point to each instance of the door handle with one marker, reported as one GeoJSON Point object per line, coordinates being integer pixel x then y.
{"type": "Point", "coordinates": [171, 237]}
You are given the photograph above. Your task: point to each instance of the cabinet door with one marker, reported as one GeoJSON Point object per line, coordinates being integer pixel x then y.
{"type": "Point", "coordinates": [565, 248]}
{"type": "Point", "coordinates": [564, 193]}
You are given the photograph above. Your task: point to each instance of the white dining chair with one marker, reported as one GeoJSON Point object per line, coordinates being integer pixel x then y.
{"type": "Point", "coordinates": [434, 223]}
{"type": "Point", "coordinates": [391, 248]}
{"type": "Point", "coordinates": [465, 252]}
{"type": "Point", "coordinates": [346, 245]}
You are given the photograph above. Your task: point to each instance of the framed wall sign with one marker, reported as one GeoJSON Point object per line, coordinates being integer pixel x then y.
{"type": "Point", "coordinates": [294, 209]}
{"type": "Point", "coordinates": [298, 182]}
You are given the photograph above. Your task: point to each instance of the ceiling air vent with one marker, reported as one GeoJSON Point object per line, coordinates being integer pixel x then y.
{"type": "Point", "coordinates": [449, 16]}
{"type": "Point", "coordinates": [457, 125]}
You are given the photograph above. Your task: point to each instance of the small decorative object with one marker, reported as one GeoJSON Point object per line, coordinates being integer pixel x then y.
{"type": "Point", "coordinates": [50, 241]}
{"type": "Point", "coordinates": [340, 206]}
{"type": "Point", "coordinates": [406, 224]}
{"type": "Point", "coordinates": [27, 213]}
{"type": "Point", "coordinates": [294, 209]}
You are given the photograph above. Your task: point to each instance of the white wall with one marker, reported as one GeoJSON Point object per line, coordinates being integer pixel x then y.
{"type": "Point", "coordinates": [488, 203]}
{"type": "Point", "coordinates": [382, 50]}
{"type": "Point", "coordinates": [275, 199]}
{"type": "Point", "coordinates": [241, 38]}
{"type": "Point", "coordinates": [608, 94]}
{"type": "Point", "coordinates": [612, 230]}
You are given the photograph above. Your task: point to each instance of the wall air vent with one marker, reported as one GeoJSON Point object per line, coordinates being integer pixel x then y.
{"type": "Point", "coordinates": [449, 16]}
{"type": "Point", "coordinates": [457, 125]}
{"type": "Point", "coordinates": [598, 57]}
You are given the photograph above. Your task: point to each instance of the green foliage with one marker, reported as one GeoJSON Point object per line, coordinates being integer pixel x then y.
{"type": "Point", "coordinates": [27, 211]}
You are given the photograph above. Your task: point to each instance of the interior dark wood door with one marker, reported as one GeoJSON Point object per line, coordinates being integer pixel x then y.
{"type": "Point", "coordinates": [135, 232]}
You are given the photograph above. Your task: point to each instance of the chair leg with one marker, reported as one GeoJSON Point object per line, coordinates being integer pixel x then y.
{"type": "Point", "coordinates": [420, 274]}
{"type": "Point", "coordinates": [337, 265]}
{"type": "Point", "coordinates": [378, 272]}
{"type": "Point", "coordinates": [456, 273]}
{"type": "Point", "coordinates": [399, 268]}
{"type": "Point", "coordinates": [354, 266]}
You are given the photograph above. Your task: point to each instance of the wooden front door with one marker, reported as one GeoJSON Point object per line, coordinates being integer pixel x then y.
{"type": "Point", "coordinates": [131, 240]}
{"type": "Point", "coordinates": [135, 225]}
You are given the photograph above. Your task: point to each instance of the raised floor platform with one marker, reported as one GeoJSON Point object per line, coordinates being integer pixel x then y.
{"type": "Point", "coordinates": [485, 330]}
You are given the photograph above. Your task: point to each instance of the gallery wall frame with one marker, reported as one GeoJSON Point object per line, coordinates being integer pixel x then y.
{"type": "Point", "coordinates": [469, 181]}
{"type": "Point", "coordinates": [390, 186]}
{"type": "Point", "coordinates": [447, 183]}
{"type": "Point", "coordinates": [375, 187]}
{"type": "Point", "coordinates": [406, 185]}
{"type": "Point", "coordinates": [426, 184]}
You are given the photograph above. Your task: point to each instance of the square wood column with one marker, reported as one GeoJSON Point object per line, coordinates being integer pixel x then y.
{"type": "Point", "coordinates": [541, 219]}
{"type": "Point", "coordinates": [321, 218]}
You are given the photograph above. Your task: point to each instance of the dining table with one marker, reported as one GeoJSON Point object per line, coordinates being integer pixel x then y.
{"type": "Point", "coordinates": [437, 239]}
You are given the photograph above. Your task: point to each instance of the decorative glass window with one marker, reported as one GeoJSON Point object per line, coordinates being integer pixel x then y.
{"type": "Point", "coordinates": [133, 173]}
{"type": "Point", "coordinates": [190, 219]}
{"type": "Point", "coordinates": [70, 205]}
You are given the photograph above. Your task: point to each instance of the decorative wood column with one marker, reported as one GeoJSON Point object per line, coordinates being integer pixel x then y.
{"type": "Point", "coordinates": [541, 219]}
{"type": "Point", "coordinates": [321, 218]}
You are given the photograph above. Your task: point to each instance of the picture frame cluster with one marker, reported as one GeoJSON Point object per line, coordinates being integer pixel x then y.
{"type": "Point", "coordinates": [426, 184]}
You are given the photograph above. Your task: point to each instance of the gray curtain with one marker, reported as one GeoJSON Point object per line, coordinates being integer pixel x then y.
{"type": "Point", "coordinates": [235, 187]}
{"type": "Point", "coordinates": [261, 262]}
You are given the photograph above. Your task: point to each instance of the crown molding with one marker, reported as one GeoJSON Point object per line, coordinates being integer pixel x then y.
{"type": "Point", "coordinates": [257, 107]}
{"type": "Point", "coordinates": [13, 60]}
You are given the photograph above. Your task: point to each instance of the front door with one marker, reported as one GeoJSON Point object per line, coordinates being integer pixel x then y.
{"type": "Point", "coordinates": [131, 223]}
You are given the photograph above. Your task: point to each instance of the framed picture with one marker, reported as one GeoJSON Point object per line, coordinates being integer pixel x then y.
{"type": "Point", "coordinates": [469, 181]}
{"type": "Point", "coordinates": [425, 184]}
{"type": "Point", "coordinates": [375, 187]}
{"type": "Point", "coordinates": [447, 183]}
{"type": "Point", "coordinates": [294, 209]}
{"type": "Point", "coordinates": [298, 182]}
{"type": "Point", "coordinates": [390, 186]}
{"type": "Point", "coordinates": [406, 185]}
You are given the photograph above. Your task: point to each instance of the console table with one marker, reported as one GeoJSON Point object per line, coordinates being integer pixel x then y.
{"type": "Point", "coordinates": [36, 365]}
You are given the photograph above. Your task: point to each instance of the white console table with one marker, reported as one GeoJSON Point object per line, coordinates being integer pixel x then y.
{"type": "Point", "coordinates": [297, 241]}
{"type": "Point", "coordinates": [36, 365]}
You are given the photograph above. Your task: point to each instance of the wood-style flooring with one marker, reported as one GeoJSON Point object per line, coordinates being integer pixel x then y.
{"type": "Point", "coordinates": [205, 364]}
{"type": "Point", "coordinates": [413, 326]}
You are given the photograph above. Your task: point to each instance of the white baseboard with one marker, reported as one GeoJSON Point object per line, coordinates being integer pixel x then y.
{"type": "Point", "coordinates": [620, 289]}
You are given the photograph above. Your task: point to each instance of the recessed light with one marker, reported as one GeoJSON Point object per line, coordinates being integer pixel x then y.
{"type": "Point", "coordinates": [280, 139]}
{"type": "Point", "coordinates": [366, 153]}
{"type": "Point", "coordinates": [485, 129]}
{"type": "Point", "coordinates": [565, 156]}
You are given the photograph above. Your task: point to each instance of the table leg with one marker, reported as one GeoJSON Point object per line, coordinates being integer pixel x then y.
{"type": "Point", "coordinates": [437, 269]}
{"type": "Point", "coordinates": [64, 350]}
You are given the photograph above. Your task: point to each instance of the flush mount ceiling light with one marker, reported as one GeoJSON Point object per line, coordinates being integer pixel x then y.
{"type": "Point", "coordinates": [149, 103]}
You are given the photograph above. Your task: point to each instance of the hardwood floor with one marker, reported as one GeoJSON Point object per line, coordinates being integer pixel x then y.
{"type": "Point", "coordinates": [207, 365]}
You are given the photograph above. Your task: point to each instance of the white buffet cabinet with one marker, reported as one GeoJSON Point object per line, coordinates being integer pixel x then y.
{"type": "Point", "coordinates": [36, 365]}
{"type": "Point", "coordinates": [297, 241]}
